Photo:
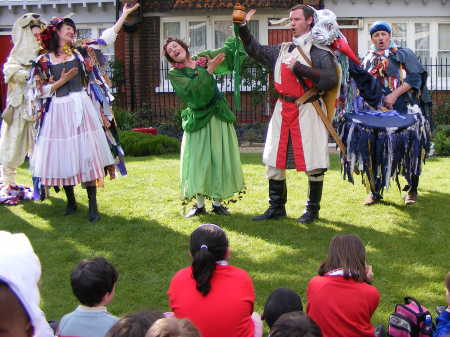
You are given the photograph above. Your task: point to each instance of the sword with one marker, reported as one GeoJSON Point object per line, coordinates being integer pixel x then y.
{"type": "Point", "coordinates": [307, 95]}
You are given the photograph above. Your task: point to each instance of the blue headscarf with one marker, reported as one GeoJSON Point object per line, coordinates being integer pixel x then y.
{"type": "Point", "coordinates": [380, 25]}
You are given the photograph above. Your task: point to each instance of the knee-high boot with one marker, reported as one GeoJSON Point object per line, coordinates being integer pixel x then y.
{"type": "Point", "coordinates": [312, 208]}
{"type": "Point", "coordinates": [277, 201]}
{"type": "Point", "coordinates": [93, 210]}
{"type": "Point", "coordinates": [71, 202]}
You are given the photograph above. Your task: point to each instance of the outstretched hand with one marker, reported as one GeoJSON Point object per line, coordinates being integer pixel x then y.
{"type": "Point", "coordinates": [249, 15]}
{"type": "Point", "coordinates": [127, 10]}
{"type": "Point", "coordinates": [214, 62]}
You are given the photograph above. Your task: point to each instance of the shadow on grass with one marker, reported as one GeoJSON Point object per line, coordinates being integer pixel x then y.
{"type": "Point", "coordinates": [149, 252]}
{"type": "Point", "coordinates": [146, 249]}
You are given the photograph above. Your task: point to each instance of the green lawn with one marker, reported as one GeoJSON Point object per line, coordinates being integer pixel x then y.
{"type": "Point", "coordinates": [144, 235]}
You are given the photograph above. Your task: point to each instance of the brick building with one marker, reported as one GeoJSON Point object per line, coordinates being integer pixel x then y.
{"type": "Point", "coordinates": [204, 24]}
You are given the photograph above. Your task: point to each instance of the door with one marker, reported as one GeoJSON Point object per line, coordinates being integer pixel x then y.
{"type": "Point", "coordinates": [6, 46]}
{"type": "Point", "coordinates": [277, 36]}
{"type": "Point", "coordinates": [352, 38]}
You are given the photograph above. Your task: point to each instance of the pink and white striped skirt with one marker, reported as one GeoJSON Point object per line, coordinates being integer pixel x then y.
{"type": "Point", "coordinates": [71, 147]}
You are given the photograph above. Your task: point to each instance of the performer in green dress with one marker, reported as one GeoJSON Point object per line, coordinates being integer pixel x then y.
{"type": "Point", "coordinates": [210, 159]}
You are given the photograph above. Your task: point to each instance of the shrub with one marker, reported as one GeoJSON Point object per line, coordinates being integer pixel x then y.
{"type": "Point", "coordinates": [142, 144]}
{"type": "Point", "coordinates": [441, 140]}
{"type": "Point", "coordinates": [125, 119]}
{"type": "Point", "coordinates": [441, 114]}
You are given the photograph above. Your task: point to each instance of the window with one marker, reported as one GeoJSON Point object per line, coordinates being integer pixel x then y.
{"type": "Point", "coordinates": [399, 34]}
{"type": "Point", "coordinates": [222, 30]}
{"type": "Point", "coordinates": [444, 41]}
{"type": "Point", "coordinates": [197, 36]}
{"type": "Point", "coordinates": [171, 29]}
{"type": "Point", "coordinates": [84, 33]}
{"type": "Point", "coordinates": [422, 40]}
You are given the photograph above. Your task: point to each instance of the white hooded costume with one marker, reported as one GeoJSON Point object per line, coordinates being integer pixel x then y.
{"type": "Point", "coordinates": [20, 269]}
{"type": "Point", "coordinates": [17, 130]}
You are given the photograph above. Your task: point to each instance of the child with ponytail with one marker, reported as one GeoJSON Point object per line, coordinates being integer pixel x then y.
{"type": "Point", "coordinates": [217, 297]}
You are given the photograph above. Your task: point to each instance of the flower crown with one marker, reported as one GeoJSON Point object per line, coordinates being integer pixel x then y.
{"type": "Point", "coordinates": [47, 34]}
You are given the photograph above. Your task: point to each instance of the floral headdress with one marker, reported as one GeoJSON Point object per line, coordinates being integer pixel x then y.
{"type": "Point", "coordinates": [47, 34]}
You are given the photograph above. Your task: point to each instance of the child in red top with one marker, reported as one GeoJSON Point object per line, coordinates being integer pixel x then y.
{"type": "Point", "coordinates": [216, 297]}
{"type": "Point", "coordinates": [341, 300]}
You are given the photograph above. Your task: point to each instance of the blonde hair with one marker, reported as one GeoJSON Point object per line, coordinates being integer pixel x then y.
{"type": "Point", "coordinates": [173, 327]}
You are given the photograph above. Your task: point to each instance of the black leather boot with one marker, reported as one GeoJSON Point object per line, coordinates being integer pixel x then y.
{"type": "Point", "coordinates": [312, 208]}
{"type": "Point", "coordinates": [411, 196]}
{"type": "Point", "coordinates": [93, 211]}
{"type": "Point", "coordinates": [277, 201]}
{"type": "Point", "coordinates": [71, 202]}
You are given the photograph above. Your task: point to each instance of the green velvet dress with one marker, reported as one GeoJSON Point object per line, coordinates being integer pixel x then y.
{"type": "Point", "coordinates": [210, 158]}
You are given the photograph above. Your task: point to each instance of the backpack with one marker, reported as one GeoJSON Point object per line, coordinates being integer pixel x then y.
{"type": "Point", "coordinates": [410, 320]}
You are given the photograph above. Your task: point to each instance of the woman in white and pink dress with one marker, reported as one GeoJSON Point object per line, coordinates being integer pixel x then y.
{"type": "Point", "coordinates": [71, 146]}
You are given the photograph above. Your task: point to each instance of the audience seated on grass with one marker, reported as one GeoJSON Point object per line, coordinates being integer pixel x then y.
{"type": "Point", "coordinates": [217, 297]}
{"type": "Point", "coordinates": [134, 325]}
{"type": "Point", "coordinates": [93, 284]}
{"type": "Point", "coordinates": [443, 320]}
{"type": "Point", "coordinates": [173, 327]}
{"type": "Point", "coordinates": [341, 299]}
{"type": "Point", "coordinates": [279, 302]}
{"type": "Point", "coordinates": [295, 324]}
{"type": "Point", "coordinates": [20, 271]}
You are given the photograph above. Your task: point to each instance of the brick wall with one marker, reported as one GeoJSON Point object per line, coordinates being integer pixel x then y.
{"type": "Point", "coordinates": [139, 52]}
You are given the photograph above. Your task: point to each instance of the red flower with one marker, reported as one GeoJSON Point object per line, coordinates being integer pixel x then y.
{"type": "Point", "coordinates": [202, 61]}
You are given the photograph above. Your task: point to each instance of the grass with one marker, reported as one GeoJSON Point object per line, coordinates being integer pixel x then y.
{"type": "Point", "coordinates": [143, 234]}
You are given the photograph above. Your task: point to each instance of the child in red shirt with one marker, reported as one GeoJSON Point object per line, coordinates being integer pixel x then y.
{"type": "Point", "coordinates": [340, 299]}
{"type": "Point", "coordinates": [216, 297]}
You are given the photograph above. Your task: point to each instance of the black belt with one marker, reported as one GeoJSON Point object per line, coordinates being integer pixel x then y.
{"type": "Point", "coordinates": [291, 99]}
{"type": "Point", "coordinates": [288, 98]}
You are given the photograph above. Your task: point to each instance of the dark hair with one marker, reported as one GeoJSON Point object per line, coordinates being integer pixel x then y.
{"type": "Point", "coordinates": [173, 327]}
{"type": "Point", "coordinates": [92, 279]}
{"type": "Point", "coordinates": [208, 245]}
{"type": "Point", "coordinates": [281, 301]}
{"type": "Point", "coordinates": [308, 12]}
{"type": "Point", "coordinates": [295, 324]}
{"type": "Point", "coordinates": [447, 281]}
{"type": "Point", "coordinates": [134, 325]}
{"type": "Point", "coordinates": [346, 251]}
{"type": "Point", "coordinates": [53, 44]}
{"type": "Point", "coordinates": [180, 42]}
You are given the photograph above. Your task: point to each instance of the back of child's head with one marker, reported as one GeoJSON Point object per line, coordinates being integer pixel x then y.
{"type": "Point", "coordinates": [346, 252]}
{"type": "Point", "coordinates": [281, 301]}
{"type": "Point", "coordinates": [92, 279]}
{"type": "Point", "coordinates": [173, 327]}
{"type": "Point", "coordinates": [295, 324]}
{"type": "Point", "coordinates": [14, 319]}
{"type": "Point", "coordinates": [134, 325]}
{"type": "Point", "coordinates": [208, 245]}
{"type": "Point", "coordinates": [20, 272]}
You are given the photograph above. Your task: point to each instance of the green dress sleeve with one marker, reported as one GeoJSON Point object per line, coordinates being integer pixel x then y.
{"type": "Point", "coordinates": [229, 49]}
{"type": "Point", "coordinates": [197, 89]}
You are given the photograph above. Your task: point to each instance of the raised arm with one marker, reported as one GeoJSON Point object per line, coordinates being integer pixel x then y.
{"type": "Point", "coordinates": [126, 10]}
{"type": "Point", "coordinates": [266, 55]}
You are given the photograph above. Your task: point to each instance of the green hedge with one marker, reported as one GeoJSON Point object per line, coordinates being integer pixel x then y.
{"type": "Point", "coordinates": [441, 140]}
{"type": "Point", "coordinates": [142, 144]}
